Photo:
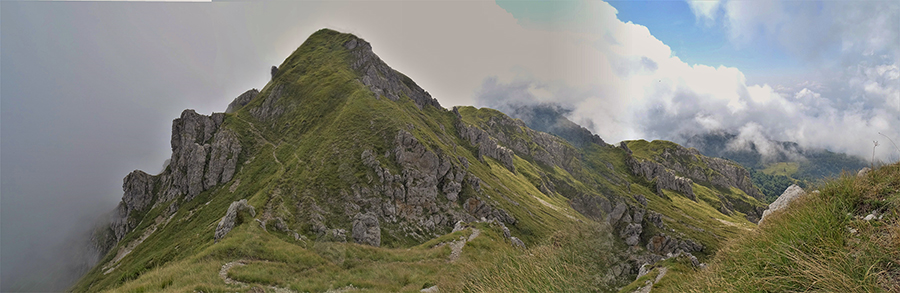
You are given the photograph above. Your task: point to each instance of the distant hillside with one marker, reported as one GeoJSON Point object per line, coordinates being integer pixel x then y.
{"type": "Point", "coordinates": [776, 165]}
{"type": "Point", "coordinates": [343, 174]}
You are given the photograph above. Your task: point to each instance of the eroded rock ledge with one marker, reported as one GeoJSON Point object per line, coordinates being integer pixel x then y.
{"type": "Point", "coordinates": [384, 80]}
{"type": "Point", "coordinates": [204, 155]}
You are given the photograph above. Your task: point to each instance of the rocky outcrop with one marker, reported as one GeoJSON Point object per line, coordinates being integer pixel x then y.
{"type": "Point", "coordinates": [270, 108]}
{"type": "Point", "coordinates": [231, 217]}
{"type": "Point", "coordinates": [790, 194]}
{"type": "Point", "coordinates": [366, 229]}
{"type": "Point", "coordinates": [486, 145]}
{"type": "Point", "coordinates": [687, 162]}
{"type": "Point", "coordinates": [381, 79]}
{"type": "Point", "coordinates": [731, 174]}
{"type": "Point", "coordinates": [512, 136]}
{"type": "Point", "coordinates": [242, 100]}
{"type": "Point", "coordinates": [424, 196]}
{"type": "Point", "coordinates": [138, 187]}
{"type": "Point", "coordinates": [203, 155]}
{"type": "Point", "coordinates": [663, 245]}
{"type": "Point", "coordinates": [663, 177]}
{"type": "Point", "coordinates": [551, 119]}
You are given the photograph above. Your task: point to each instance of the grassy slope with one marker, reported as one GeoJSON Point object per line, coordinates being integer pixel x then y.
{"type": "Point", "coordinates": [811, 247]}
{"type": "Point", "coordinates": [329, 117]}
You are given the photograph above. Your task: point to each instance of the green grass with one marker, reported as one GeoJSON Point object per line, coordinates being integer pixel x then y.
{"type": "Point", "coordinates": [782, 169]}
{"type": "Point", "coordinates": [809, 246]}
{"type": "Point", "coordinates": [572, 260]}
{"type": "Point", "coordinates": [311, 155]}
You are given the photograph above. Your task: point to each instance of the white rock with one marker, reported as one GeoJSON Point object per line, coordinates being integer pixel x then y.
{"type": "Point", "coordinates": [790, 194]}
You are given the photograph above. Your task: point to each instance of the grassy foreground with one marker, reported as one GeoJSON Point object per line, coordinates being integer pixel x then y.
{"type": "Point", "coordinates": [820, 243]}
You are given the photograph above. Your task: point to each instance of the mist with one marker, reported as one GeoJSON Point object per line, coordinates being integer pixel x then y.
{"type": "Point", "coordinates": [88, 90]}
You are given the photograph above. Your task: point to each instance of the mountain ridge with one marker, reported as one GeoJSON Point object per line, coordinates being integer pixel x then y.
{"type": "Point", "coordinates": [339, 148]}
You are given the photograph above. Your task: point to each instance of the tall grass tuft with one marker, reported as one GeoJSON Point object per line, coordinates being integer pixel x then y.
{"type": "Point", "coordinates": [820, 243]}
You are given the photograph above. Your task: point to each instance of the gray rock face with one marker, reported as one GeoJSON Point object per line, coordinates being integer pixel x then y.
{"type": "Point", "coordinates": [203, 155]}
{"type": "Point", "coordinates": [681, 160]}
{"type": "Point", "coordinates": [632, 234]}
{"type": "Point", "coordinates": [415, 197]}
{"type": "Point", "coordinates": [382, 79]}
{"type": "Point", "coordinates": [790, 194]}
{"type": "Point", "coordinates": [486, 145]}
{"type": "Point", "coordinates": [269, 108]}
{"type": "Point", "coordinates": [138, 187]}
{"type": "Point", "coordinates": [242, 100]}
{"type": "Point", "coordinates": [366, 229]}
{"type": "Point", "coordinates": [663, 245]}
{"type": "Point", "coordinates": [664, 177]}
{"type": "Point", "coordinates": [497, 141]}
{"type": "Point", "coordinates": [732, 175]}
{"type": "Point", "coordinates": [231, 216]}
{"type": "Point", "coordinates": [223, 156]}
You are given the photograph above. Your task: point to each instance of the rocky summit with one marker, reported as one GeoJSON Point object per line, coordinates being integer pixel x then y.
{"type": "Point", "coordinates": [342, 174]}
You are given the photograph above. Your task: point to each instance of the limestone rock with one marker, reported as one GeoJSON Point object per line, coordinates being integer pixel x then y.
{"type": "Point", "coordinates": [517, 242]}
{"type": "Point", "coordinates": [203, 154]}
{"type": "Point", "coordinates": [366, 229]}
{"type": "Point", "coordinates": [269, 108]}
{"type": "Point", "coordinates": [790, 194]}
{"type": "Point", "coordinates": [863, 172]}
{"type": "Point", "coordinates": [242, 100]}
{"type": "Point", "coordinates": [231, 217]}
{"type": "Point", "coordinates": [224, 152]}
{"type": "Point", "coordinates": [382, 79]}
{"type": "Point", "coordinates": [632, 234]}
{"type": "Point", "coordinates": [664, 177]}
{"type": "Point", "coordinates": [664, 245]}
{"type": "Point", "coordinates": [732, 175]}
{"type": "Point", "coordinates": [486, 145]}
{"type": "Point", "coordinates": [138, 187]}
{"type": "Point", "coordinates": [617, 213]}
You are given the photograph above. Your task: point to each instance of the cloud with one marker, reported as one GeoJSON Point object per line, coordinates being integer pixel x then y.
{"type": "Point", "coordinates": [705, 10]}
{"type": "Point", "coordinates": [636, 88]}
{"type": "Point", "coordinates": [814, 30]}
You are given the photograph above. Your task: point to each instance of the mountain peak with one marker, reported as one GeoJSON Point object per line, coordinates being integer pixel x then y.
{"type": "Point", "coordinates": [356, 52]}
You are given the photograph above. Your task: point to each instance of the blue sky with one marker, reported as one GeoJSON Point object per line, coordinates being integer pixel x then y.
{"type": "Point", "coordinates": [767, 69]}
{"type": "Point", "coordinates": [697, 42]}
{"type": "Point", "coordinates": [672, 22]}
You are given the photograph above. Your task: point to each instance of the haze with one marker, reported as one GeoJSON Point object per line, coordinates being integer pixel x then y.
{"type": "Point", "coordinates": [88, 90]}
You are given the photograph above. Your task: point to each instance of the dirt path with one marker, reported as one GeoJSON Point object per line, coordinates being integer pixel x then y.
{"type": "Point", "coordinates": [457, 246]}
{"type": "Point", "coordinates": [263, 138]}
{"type": "Point", "coordinates": [223, 273]}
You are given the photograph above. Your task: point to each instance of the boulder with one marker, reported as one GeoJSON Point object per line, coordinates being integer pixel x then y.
{"type": "Point", "coordinates": [241, 100]}
{"type": "Point", "coordinates": [366, 229]}
{"type": "Point", "coordinates": [863, 172]}
{"type": "Point", "coordinates": [517, 242]}
{"type": "Point", "coordinates": [790, 194]}
{"type": "Point", "coordinates": [230, 220]}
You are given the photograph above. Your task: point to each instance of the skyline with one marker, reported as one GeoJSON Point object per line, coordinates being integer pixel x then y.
{"type": "Point", "coordinates": [89, 89]}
